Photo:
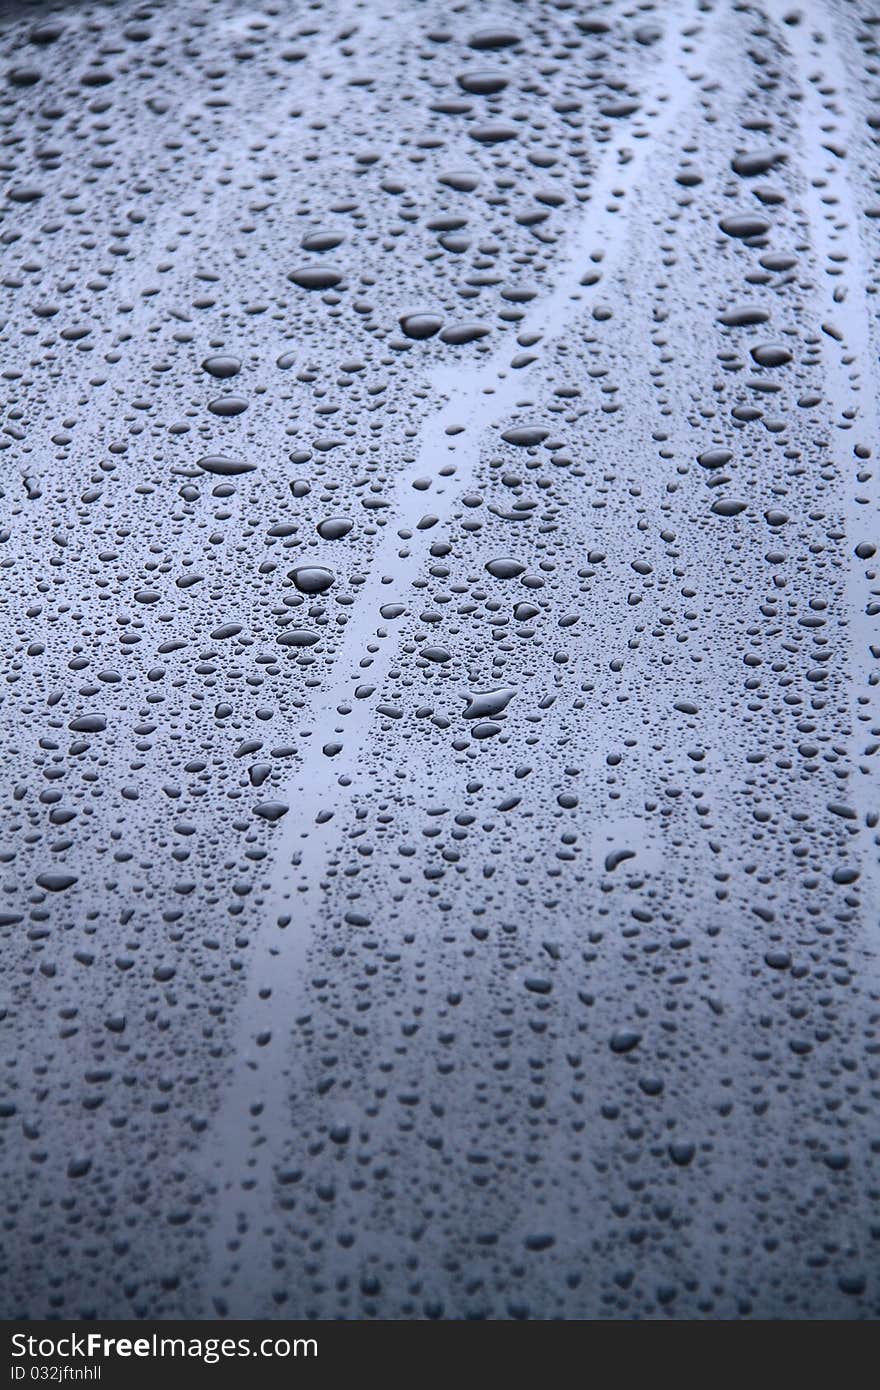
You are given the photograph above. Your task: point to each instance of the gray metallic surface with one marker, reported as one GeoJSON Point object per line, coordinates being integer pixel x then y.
{"type": "Point", "coordinates": [439, 599]}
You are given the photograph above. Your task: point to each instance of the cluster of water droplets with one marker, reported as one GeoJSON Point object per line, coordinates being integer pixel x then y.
{"type": "Point", "coordinates": [438, 553]}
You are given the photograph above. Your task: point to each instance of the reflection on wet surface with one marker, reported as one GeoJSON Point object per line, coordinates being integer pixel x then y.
{"type": "Point", "coordinates": [439, 591]}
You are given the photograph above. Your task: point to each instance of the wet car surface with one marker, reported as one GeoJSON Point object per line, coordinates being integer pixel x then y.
{"type": "Point", "coordinates": [440, 605]}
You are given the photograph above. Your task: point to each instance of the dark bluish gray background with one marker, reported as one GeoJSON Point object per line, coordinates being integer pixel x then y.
{"type": "Point", "coordinates": [438, 586]}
